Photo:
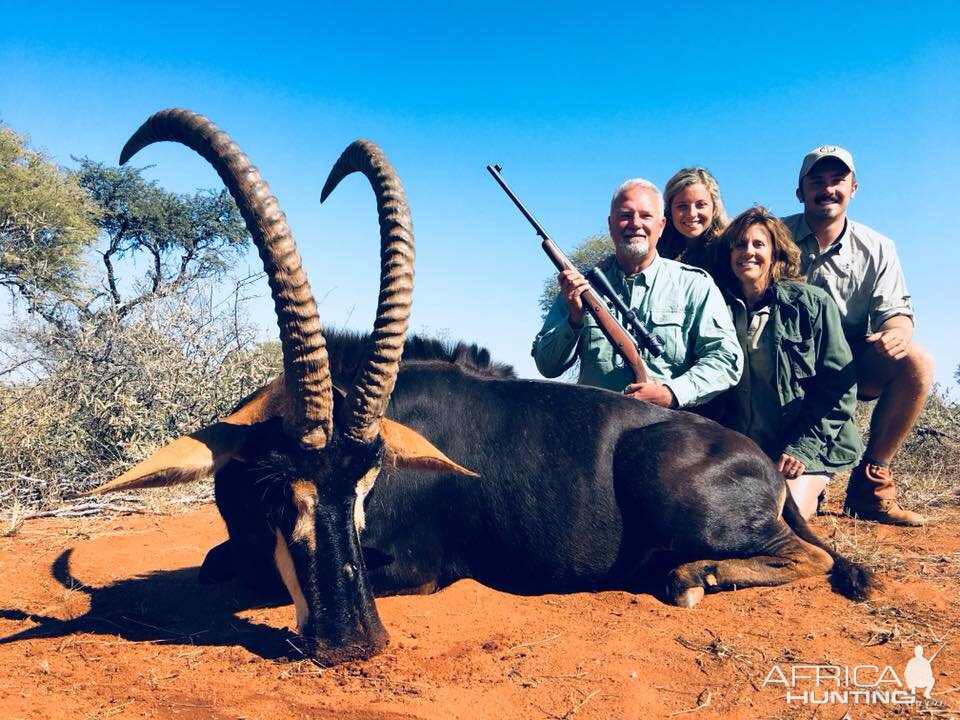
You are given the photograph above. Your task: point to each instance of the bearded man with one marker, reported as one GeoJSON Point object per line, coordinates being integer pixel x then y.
{"type": "Point", "coordinates": [677, 303]}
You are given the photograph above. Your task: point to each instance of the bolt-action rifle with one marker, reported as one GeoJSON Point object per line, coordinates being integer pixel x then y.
{"type": "Point", "coordinates": [623, 342]}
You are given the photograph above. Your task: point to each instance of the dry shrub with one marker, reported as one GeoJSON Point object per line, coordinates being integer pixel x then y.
{"type": "Point", "coordinates": [105, 393]}
{"type": "Point", "coordinates": [925, 468]}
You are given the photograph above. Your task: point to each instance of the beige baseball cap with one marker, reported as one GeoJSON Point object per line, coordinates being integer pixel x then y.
{"type": "Point", "coordinates": [825, 151]}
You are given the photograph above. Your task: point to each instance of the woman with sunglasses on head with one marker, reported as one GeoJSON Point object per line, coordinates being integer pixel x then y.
{"type": "Point", "coordinates": [798, 390]}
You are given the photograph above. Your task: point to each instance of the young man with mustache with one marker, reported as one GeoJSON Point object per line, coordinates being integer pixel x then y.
{"type": "Point", "coordinates": [858, 267]}
{"type": "Point", "coordinates": [677, 303]}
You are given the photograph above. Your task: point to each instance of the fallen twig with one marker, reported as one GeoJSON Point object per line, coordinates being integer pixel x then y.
{"type": "Point", "coordinates": [575, 676]}
{"type": "Point", "coordinates": [569, 713]}
{"type": "Point", "coordinates": [923, 430]}
{"type": "Point", "coordinates": [174, 633]}
{"type": "Point", "coordinates": [531, 644]}
{"type": "Point", "coordinates": [679, 692]}
{"type": "Point", "coordinates": [703, 700]}
{"type": "Point", "coordinates": [306, 657]}
{"type": "Point", "coordinates": [109, 712]}
{"type": "Point", "coordinates": [87, 509]}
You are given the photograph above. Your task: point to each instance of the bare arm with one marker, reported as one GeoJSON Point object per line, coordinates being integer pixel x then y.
{"type": "Point", "coordinates": [893, 338]}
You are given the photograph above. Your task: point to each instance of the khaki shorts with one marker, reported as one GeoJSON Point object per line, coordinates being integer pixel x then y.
{"type": "Point", "coordinates": [822, 477]}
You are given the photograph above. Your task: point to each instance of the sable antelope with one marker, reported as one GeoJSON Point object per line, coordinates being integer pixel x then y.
{"type": "Point", "coordinates": [311, 452]}
{"type": "Point", "coordinates": [578, 487]}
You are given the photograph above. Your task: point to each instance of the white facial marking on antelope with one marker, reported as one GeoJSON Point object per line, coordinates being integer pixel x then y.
{"type": "Point", "coordinates": [305, 528]}
{"type": "Point", "coordinates": [364, 486]}
{"type": "Point", "coordinates": [281, 556]}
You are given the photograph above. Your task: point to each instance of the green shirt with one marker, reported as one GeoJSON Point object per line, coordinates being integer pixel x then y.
{"type": "Point", "coordinates": [813, 381]}
{"type": "Point", "coordinates": [677, 303]}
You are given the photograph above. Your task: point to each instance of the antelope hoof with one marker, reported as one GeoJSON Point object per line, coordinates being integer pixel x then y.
{"type": "Point", "coordinates": [689, 597]}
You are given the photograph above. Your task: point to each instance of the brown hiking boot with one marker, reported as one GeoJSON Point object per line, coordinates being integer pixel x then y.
{"type": "Point", "coordinates": [888, 512]}
{"type": "Point", "coordinates": [871, 495]}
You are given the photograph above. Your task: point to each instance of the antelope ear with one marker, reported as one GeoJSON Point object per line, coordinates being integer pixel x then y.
{"type": "Point", "coordinates": [188, 458]}
{"type": "Point", "coordinates": [200, 454]}
{"type": "Point", "coordinates": [408, 449]}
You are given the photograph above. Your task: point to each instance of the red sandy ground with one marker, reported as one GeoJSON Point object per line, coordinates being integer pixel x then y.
{"type": "Point", "coordinates": [135, 636]}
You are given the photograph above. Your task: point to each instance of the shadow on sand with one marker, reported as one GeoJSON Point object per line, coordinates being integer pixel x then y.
{"type": "Point", "coordinates": [169, 607]}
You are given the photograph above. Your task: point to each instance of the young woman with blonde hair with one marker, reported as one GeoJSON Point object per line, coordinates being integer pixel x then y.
{"type": "Point", "coordinates": [695, 218]}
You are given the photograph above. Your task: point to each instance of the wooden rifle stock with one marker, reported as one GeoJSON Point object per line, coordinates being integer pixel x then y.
{"type": "Point", "coordinates": [619, 338]}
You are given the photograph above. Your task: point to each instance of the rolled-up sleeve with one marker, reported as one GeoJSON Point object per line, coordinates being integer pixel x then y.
{"type": "Point", "coordinates": [555, 347]}
{"type": "Point", "coordinates": [890, 297]}
{"type": "Point", "coordinates": [718, 358]}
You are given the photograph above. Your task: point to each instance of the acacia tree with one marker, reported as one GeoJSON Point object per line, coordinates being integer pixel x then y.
{"type": "Point", "coordinates": [143, 342]}
{"type": "Point", "coordinates": [47, 222]}
{"type": "Point", "coordinates": [184, 238]}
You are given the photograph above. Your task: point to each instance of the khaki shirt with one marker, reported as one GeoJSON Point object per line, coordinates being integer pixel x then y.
{"type": "Point", "coordinates": [677, 303]}
{"type": "Point", "coordinates": [759, 409]}
{"type": "Point", "coordinates": [860, 271]}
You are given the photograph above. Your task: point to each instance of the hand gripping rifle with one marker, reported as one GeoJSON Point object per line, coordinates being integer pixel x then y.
{"type": "Point", "coordinates": [618, 336]}
{"type": "Point", "coordinates": [644, 337]}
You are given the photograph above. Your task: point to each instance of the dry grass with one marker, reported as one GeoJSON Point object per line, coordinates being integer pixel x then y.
{"type": "Point", "coordinates": [106, 395]}
{"type": "Point", "coordinates": [102, 396]}
{"type": "Point", "coordinates": [861, 542]}
{"type": "Point", "coordinates": [926, 466]}
{"type": "Point", "coordinates": [14, 520]}
{"type": "Point", "coordinates": [909, 624]}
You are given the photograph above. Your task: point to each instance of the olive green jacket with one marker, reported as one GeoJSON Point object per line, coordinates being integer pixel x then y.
{"type": "Point", "coordinates": [816, 378]}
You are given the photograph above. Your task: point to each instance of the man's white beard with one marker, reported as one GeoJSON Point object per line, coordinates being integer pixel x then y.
{"type": "Point", "coordinates": [635, 251]}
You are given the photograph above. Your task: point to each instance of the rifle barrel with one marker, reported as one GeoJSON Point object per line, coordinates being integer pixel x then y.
{"type": "Point", "coordinates": [495, 171]}
{"type": "Point", "coordinates": [618, 336]}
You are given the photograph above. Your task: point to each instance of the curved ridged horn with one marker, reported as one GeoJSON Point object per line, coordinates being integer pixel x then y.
{"type": "Point", "coordinates": [367, 399]}
{"type": "Point", "coordinates": [305, 362]}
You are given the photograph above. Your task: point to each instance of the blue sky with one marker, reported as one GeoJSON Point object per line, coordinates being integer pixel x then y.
{"type": "Point", "coordinates": [570, 98]}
